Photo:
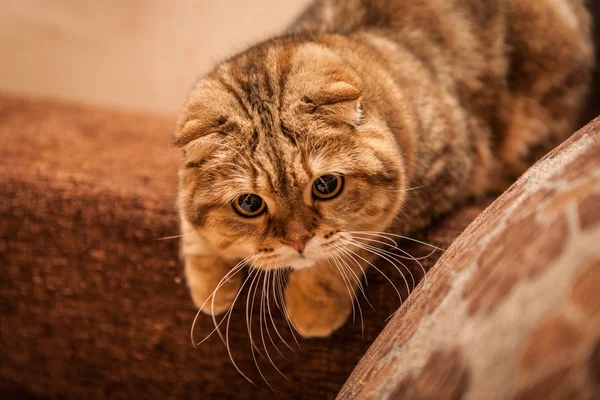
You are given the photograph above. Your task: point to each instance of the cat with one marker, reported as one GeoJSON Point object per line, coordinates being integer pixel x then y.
{"type": "Point", "coordinates": [366, 117]}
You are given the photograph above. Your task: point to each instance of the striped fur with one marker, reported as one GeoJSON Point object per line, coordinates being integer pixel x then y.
{"type": "Point", "coordinates": [455, 97]}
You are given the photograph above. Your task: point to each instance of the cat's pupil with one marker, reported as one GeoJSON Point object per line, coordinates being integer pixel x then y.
{"type": "Point", "coordinates": [327, 184]}
{"type": "Point", "coordinates": [250, 202]}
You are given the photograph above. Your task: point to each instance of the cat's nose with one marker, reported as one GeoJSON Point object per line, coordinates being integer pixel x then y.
{"type": "Point", "coordinates": [296, 235]}
{"type": "Point", "coordinates": [298, 242]}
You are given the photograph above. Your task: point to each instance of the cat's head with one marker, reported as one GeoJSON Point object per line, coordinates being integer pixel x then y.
{"type": "Point", "coordinates": [284, 155]}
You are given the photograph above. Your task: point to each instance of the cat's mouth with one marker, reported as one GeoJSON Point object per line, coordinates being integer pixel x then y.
{"type": "Point", "coordinates": [315, 252]}
{"type": "Point", "coordinates": [299, 261]}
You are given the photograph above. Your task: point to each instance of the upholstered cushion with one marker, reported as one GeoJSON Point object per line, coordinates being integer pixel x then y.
{"type": "Point", "coordinates": [93, 305]}
{"type": "Point", "coordinates": [512, 309]}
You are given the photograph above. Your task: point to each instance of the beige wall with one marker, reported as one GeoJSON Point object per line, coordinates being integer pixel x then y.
{"type": "Point", "coordinates": [141, 54]}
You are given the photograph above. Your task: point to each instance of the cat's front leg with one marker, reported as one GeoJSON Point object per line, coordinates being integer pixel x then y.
{"type": "Point", "coordinates": [205, 270]}
{"type": "Point", "coordinates": [203, 275]}
{"type": "Point", "coordinates": [319, 299]}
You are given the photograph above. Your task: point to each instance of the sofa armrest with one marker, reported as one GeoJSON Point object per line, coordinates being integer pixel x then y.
{"type": "Point", "coordinates": [512, 309]}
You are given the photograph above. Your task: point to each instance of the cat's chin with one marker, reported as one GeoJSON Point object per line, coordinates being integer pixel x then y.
{"type": "Point", "coordinates": [293, 263]}
{"type": "Point", "coordinates": [301, 263]}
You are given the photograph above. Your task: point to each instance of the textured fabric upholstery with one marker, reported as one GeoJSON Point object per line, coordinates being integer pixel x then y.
{"type": "Point", "coordinates": [92, 305]}
{"type": "Point", "coordinates": [512, 308]}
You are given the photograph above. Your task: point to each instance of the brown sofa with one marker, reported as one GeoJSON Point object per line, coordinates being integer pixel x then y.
{"type": "Point", "coordinates": [93, 305]}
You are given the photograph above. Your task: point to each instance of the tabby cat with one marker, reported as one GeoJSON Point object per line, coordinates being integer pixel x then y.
{"type": "Point", "coordinates": [366, 114]}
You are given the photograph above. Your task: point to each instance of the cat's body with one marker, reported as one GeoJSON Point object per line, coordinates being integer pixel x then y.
{"type": "Point", "coordinates": [413, 106]}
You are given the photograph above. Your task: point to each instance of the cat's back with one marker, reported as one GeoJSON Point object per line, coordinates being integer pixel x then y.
{"type": "Point", "coordinates": [519, 68]}
{"type": "Point", "coordinates": [453, 37]}
{"type": "Point", "coordinates": [347, 16]}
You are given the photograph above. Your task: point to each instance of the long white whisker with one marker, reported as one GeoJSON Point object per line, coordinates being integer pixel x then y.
{"type": "Point", "coordinates": [252, 296]}
{"type": "Point", "coordinates": [262, 336]}
{"type": "Point", "coordinates": [237, 268]}
{"type": "Point", "coordinates": [350, 252]}
{"type": "Point", "coordinates": [276, 278]}
{"type": "Point", "coordinates": [385, 244]}
{"type": "Point", "coordinates": [398, 236]}
{"type": "Point", "coordinates": [374, 250]}
{"type": "Point", "coordinates": [347, 288]}
{"type": "Point", "coordinates": [410, 189]}
{"type": "Point", "coordinates": [394, 256]}
{"type": "Point", "coordinates": [272, 277]}
{"type": "Point", "coordinates": [249, 323]}
{"type": "Point", "coordinates": [230, 312]}
{"type": "Point", "coordinates": [355, 298]}
{"type": "Point", "coordinates": [281, 289]}
{"type": "Point", "coordinates": [409, 256]}
{"type": "Point", "coordinates": [212, 305]}
{"type": "Point", "coordinates": [356, 278]}
{"type": "Point", "coordinates": [174, 237]}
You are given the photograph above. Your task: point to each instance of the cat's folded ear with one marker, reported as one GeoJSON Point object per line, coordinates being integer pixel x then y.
{"type": "Point", "coordinates": [204, 120]}
{"type": "Point", "coordinates": [339, 102]}
{"type": "Point", "coordinates": [329, 86]}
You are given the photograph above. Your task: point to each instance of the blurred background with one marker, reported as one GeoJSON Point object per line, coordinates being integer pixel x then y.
{"type": "Point", "coordinates": [134, 54]}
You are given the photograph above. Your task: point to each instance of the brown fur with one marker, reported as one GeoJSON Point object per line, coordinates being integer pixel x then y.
{"type": "Point", "coordinates": [455, 97]}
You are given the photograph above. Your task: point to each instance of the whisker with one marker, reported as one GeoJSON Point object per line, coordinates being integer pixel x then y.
{"type": "Point", "coordinates": [237, 268]}
{"type": "Point", "coordinates": [356, 278]}
{"type": "Point", "coordinates": [252, 295]}
{"type": "Point", "coordinates": [410, 256]}
{"type": "Point", "coordinates": [212, 308]}
{"type": "Point", "coordinates": [394, 256]}
{"type": "Point", "coordinates": [213, 331]}
{"type": "Point", "coordinates": [383, 243]}
{"type": "Point", "coordinates": [228, 315]}
{"type": "Point", "coordinates": [353, 311]}
{"type": "Point", "coordinates": [395, 235]}
{"type": "Point", "coordinates": [350, 252]}
{"type": "Point", "coordinates": [408, 189]}
{"type": "Point", "coordinates": [348, 288]}
{"type": "Point", "coordinates": [425, 276]}
{"type": "Point", "coordinates": [374, 251]}
{"type": "Point", "coordinates": [173, 237]}
{"type": "Point", "coordinates": [281, 289]}
{"type": "Point", "coordinates": [276, 279]}
{"type": "Point", "coordinates": [271, 284]}
{"type": "Point", "coordinates": [262, 336]}
{"type": "Point", "coordinates": [249, 324]}
{"type": "Point", "coordinates": [355, 298]}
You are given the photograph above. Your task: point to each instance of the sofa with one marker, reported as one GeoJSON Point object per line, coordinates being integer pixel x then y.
{"type": "Point", "coordinates": [93, 302]}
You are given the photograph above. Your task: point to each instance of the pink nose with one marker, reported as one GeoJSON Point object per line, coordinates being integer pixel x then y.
{"type": "Point", "coordinates": [298, 243]}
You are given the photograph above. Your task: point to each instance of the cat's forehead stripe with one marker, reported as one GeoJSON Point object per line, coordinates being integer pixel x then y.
{"type": "Point", "coordinates": [258, 79]}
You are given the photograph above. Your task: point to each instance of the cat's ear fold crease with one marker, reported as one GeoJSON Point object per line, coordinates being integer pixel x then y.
{"type": "Point", "coordinates": [188, 131]}
{"type": "Point", "coordinates": [206, 113]}
{"type": "Point", "coordinates": [198, 128]}
{"type": "Point", "coordinates": [339, 102]}
{"type": "Point", "coordinates": [330, 87]}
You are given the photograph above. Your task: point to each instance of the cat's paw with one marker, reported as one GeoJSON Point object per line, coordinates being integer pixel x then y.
{"type": "Point", "coordinates": [316, 312]}
{"type": "Point", "coordinates": [202, 284]}
{"type": "Point", "coordinates": [222, 299]}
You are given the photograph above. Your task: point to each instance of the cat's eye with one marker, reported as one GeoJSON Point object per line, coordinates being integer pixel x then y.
{"type": "Point", "coordinates": [327, 186]}
{"type": "Point", "coordinates": [249, 205]}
